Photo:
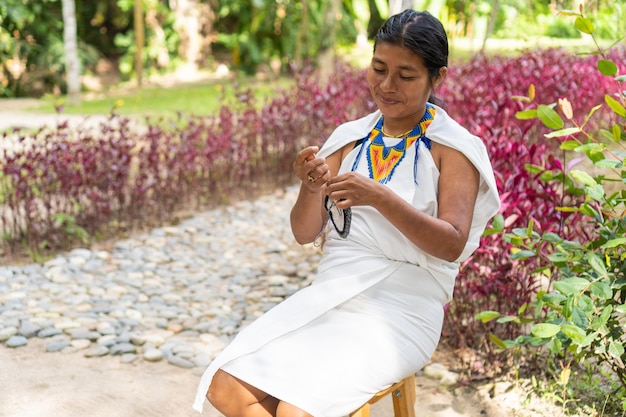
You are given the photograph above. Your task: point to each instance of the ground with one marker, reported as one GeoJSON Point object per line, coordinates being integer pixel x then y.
{"type": "Point", "coordinates": [35, 383]}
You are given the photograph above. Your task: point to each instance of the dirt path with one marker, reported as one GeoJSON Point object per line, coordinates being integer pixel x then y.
{"type": "Point", "coordinates": [36, 384]}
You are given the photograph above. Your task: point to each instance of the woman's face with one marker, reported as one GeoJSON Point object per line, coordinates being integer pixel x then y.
{"type": "Point", "coordinates": [399, 82]}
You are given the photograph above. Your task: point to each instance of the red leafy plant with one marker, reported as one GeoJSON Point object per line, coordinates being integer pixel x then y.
{"type": "Point", "coordinates": [70, 184]}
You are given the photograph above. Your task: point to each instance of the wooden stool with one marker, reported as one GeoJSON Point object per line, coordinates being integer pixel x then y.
{"type": "Point", "coordinates": [403, 395]}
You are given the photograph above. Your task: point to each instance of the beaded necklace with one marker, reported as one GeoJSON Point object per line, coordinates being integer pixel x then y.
{"type": "Point", "coordinates": [382, 160]}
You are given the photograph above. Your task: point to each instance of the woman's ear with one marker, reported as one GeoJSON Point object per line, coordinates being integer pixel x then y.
{"type": "Point", "coordinates": [443, 71]}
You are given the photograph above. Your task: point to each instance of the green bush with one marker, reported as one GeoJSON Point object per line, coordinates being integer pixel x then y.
{"type": "Point", "coordinates": [579, 316]}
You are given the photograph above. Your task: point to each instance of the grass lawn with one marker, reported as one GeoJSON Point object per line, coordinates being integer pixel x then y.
{"type": "Point", "coordinates": [166, 99]}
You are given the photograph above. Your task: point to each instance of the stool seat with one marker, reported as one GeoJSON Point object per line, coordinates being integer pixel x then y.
{"type": "Point", "coordinates": [402, 394]}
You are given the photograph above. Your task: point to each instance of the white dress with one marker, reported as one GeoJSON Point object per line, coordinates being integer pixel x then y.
{"type": "Point", "coordinates": [374, 312]}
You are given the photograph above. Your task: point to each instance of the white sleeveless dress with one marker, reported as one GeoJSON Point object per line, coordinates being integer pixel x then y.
{"type": "Point", "coordinates": [374, 312]}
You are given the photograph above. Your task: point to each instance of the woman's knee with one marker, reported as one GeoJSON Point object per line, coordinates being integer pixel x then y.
{"type": "Point", "coordinates": [219, 389]}
{"type": "Point", "coordinates": [234, 397]}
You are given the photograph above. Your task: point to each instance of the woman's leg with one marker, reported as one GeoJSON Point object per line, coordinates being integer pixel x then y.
{"type": "Point", "coordinates": [236, 398]}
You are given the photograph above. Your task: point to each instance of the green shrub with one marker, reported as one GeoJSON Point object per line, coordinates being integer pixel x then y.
{"type": "Point", "coordinates": [579, 316]}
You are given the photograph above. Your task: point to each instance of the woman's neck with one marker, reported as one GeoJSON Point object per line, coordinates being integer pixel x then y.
{"type": "Point", "coordinates": [397, 127]}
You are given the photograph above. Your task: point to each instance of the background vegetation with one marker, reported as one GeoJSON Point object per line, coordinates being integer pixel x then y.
{"type": "Point", "coordinates": [544, 295]}
{"type": "Point", "coordinates": [248, 36]}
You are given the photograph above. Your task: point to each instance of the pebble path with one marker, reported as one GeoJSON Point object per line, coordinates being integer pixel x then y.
{"type": "Point", "coordinates": [177, 294]}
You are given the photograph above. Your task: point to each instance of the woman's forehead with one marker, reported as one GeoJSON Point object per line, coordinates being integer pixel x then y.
{"type": "Point", "coordinates": [397, 55]}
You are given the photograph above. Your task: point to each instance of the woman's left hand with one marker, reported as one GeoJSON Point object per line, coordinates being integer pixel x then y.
{"type": "Point", "coordinates": [353, 189]}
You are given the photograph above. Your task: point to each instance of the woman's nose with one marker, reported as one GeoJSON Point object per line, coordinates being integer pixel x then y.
{"type": "Point", "coordinates": [387, 83]}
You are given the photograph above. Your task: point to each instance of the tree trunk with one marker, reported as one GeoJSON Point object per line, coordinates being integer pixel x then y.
{"type": "Point", "coordinates": [139, 40]}
{"type": "Point", "coordinates": [303, 38]}
{"type": "Point", "coordinates": [375, 21]}
{"type": "Point", "coordinates": [493, 16]}
{"type": "Point", "coordinates": [326, 57]}
{"type": "Point", "coordinates": [188, 23]}
{"type": "Point", "coordinates": [72, 64]}
{"type": "Point", "coordinates": [397, 6]}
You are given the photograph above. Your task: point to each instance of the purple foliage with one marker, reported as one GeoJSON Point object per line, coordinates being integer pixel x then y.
{"type": "Point", "coordinates": [122, 176]}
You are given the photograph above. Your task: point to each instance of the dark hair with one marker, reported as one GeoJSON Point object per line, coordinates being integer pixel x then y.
{"type": "Point", "coordinates": [422, 33]}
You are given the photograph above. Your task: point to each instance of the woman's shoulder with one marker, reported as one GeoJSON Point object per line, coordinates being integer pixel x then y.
{"type": "Point", "coordinates": [359, 126]}
{"type": "Point", "coordinates": [349, 132]}
{"type": "Point", "coordinates": [447, 131]}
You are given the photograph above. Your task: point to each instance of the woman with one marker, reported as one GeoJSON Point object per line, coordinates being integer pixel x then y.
{"type": "Point", "coordinates": [420, 191]}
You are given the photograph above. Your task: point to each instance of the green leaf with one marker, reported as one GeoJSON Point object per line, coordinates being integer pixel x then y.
{"type": "Point", "coordinates": [609, 164]}
{"type": "Point", "coordinates": [589, 339]}
{"type": "Point", "coordinates": [591, 148]}
{"type": "Point", "coordinates": [574, 332]}
{"type": "Point", "coordinates": [568, 209]}
{"type": "Point", "coordinates": [569, 145]}
{"type": "Point", "coordinates": [563, 132]}
{"type": "Point", "coordinates": [530, 228]}
{"type": "Point", "coordinates": [583, 177]}
{"type": "Point", "coordinates": [552, 237]}
{"type": "Point", "coordinates": [534, 169]}
{"type": "Point", "coordinates": [621, 308]}
{"type": "Point", "coordinates": [584, 25]}
{"type": "Point", "coordinates": [579, 317]}
{"type": "Point", "coordinates": [522, 254]}
{"type": "Point", "coordinates": [553, 298]}
{"type": "Point", "coordinates": [615, 105]}
{"type": "Point", "coordinates": [569, 305]}
{"type": "Point", "coordinates": [492, 231]}
{"type": "Point", "coordinates": [616, 349]}
{"type": "Point", "coordinates": [549, 117]}
{"type": "Point", "coordinates": [600, 321]}
{"type": "Point", "coordinates": [498, 222]}
{"type": "Point", "coordinates": [486, 316]}
{"type": "Point", "coordinates": [503, 344]}
{"type": "Point", "coordinates": [572, 245]}
{"type": "Point", "coordinates": [571, 285]}
{"type": "Point", "coordinates": [596, 192]}
{"type": "Point", "coordinates": [617, 133]}
{"type": "Point", "coordinates": [591, 112]}
{"type": "Point", "coordinates": [557, 257]}
{"type": "Point", "coordinates": [555, 346]}
{"type": "Point", "coordinates": [545, 330]}
{"type": "Point", "coordinates": [526, 114]}
{"type": "Point", "coordinates": [601, 290]}
{"type": "Point", "coordinates": [607, 67]}
{"type": "Point", "coordinates": [596, 263]}
{"type": "Point", "coordinates": [518, 231]}
{"type": "Point", "coordinates": [508, 319]}
{"type": "Point", "coordinates": [613, 243]}
{"type": "Point", "coordinates": [587, 210]}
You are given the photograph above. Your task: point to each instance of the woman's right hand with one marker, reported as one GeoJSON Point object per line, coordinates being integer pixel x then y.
{"type": "Point", "coordinates": [312, 171]}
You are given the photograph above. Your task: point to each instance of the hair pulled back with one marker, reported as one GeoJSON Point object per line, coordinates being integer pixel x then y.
{"type": "Point", "coordinates": [420, 32]}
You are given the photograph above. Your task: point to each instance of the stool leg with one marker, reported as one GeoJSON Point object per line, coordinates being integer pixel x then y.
{"type": "Point", "coordinates": [362, 412]}
{"type": "Point", "coordinates": [404, 398]}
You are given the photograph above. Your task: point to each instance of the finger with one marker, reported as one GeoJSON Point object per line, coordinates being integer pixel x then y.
{"type": "Point", "coordinates": [307, 154]}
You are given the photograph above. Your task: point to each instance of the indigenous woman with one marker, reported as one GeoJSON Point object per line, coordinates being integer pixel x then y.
{"type": "Point", "coordinates": [401, 198]}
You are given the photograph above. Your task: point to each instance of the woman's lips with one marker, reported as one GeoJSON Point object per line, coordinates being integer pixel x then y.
{"type": "Point", "coordinates": [387, 100]}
